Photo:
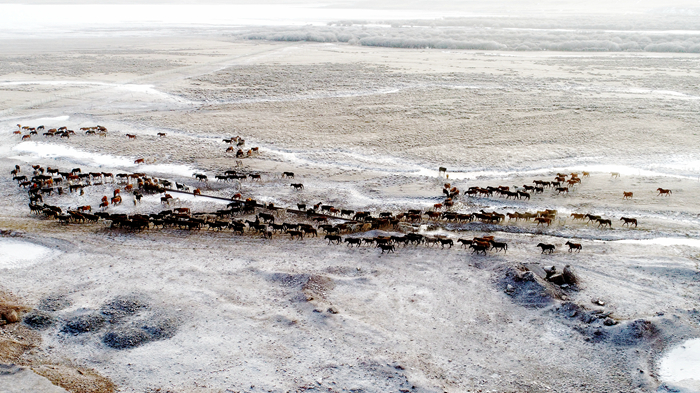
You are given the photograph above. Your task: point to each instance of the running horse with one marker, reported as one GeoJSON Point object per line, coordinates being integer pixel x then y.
{"type": "Point", "coordinates": [627, 195]}
{"type": "Point", "coordinates": [629, 221]}
{"type": "Point", "coordinates": [663, 191]}
{"type": "Point", "coordinates": [548, 248]}
{"type": "Point", "coordinates": [573, 246]}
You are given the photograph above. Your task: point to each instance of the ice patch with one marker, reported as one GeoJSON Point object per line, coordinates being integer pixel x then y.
{"type": "Point", "coordinates": [681, 366]}
{"type": "Point", "coordinates": [49, 119]}
{"type": "Point", "coordinates": [663, 241]}
{"type": "Point", "coordinates": [15, 254]}
{"type": "Point", "coordinates": [184, 198]}
{"type": "Point", "coordinates": [39, 150]}
{"type": "Point", "coordinates": [134, 88]}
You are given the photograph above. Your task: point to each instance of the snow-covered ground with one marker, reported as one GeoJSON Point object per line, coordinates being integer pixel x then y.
{"type": "Point", "coordinates": [208, 310]}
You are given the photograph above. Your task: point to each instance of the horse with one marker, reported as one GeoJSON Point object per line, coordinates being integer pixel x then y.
{"type": "Point", "coordinates": [288, 175]}
{"type": "Point", "coordinates": [161, 134]}
{"type": "Point", "coordinates": [592, 217]}
{"type": "Point", "coordinates": [578, 216]}
{"type": "Point", "coordinates": [604, 222]}
{"type": "Point", "coordinates": [196, 192]}
{"type": "Point", "coordinates": [353, 240]}
{"type": "Point", "coordinates": [139, 161]}
{"type": "Point", "coordinates": [465, 242]}
{"type": "Point", "coordinates": [86, 208]}
{"type": "Point", "coordinates": [310, 231]}
{"type": "Point", "coordinates": [297, 186]}
{"type": "Point", "coordinates": [549, 248]}
{"type": "Point", "coordinates": [446, 241]}
{"type": "Point", "coordinates": [561, 190]}
{"type": "Point", "coordinates": [543, 220]}
{"type": "Point", "coordinates": [267, 217]}
{"type": "Point", "coordinates": [386, 247]}
{"type": "Point", "coordinates": [627, 195]}
{"type": "Point", "coordinates": [499, 246]}
{"type": "Point", "coordinates": [25, 137]}
{"type": "Point", "coordinates": [628, 221]}
{"type": "Point", "coordinates": [131, 136]}
{"type": "Point", "coordinates": [333, 238]}
{"type": "Point", "coordinates": [117, 200]}
{"type": "Point", "coordinates": [663, 191]}
{"type": "Point", "coordinates": [615, 174]}
{"type": "Point", "coordinates": [479, 248]}
{"type": "Point", "coordinates": [431, 241]}
{"type": "Point", "coordinates": [573, 246]}
{"type": "Point", "coordinates": [201, 177]}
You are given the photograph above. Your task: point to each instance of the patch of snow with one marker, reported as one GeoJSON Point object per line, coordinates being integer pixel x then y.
{"type": "Point", "coordinates": [680, 367]}
{"type": "Point", "coordinates": [16, 254]}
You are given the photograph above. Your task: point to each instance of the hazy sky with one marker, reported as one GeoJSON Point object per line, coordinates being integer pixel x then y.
{"type": "Point", "coordinates": [499, 6]}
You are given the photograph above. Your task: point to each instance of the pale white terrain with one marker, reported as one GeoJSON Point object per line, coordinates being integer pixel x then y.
{"type": "Point", "coordinates": [363, 128]}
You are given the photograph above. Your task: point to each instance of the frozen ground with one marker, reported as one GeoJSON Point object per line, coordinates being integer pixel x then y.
{"type": "Point", "coordinates": [365, 129]}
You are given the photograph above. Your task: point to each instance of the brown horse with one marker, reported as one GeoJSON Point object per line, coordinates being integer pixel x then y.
{"type": "Point", "coordinates": [139, 161]}
{"type": "Point", "coordinates": [131, 136]}
{"type": "Point", "coordinates": [628, 221]}
{"type": "Point", "coordinates": [663, 191]}
{"type": "Point", "coordinates": [573, 246]}
{"type": "Point", "coordinates": [543, 220]}
{"type": "Point", "coordinates": [578, 216]}
{"type": "Point", "coordinates": [627, 195]}
{"type": "Point", "coordinates": [603, 222]}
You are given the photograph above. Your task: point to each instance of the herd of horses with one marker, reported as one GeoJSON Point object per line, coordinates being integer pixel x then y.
{"type": "Point", "coordinates": [62, 132]}
{"type": "Point", "coordinates": [266, 218]}
{"type": "Point", "coordinates": [316, 218]}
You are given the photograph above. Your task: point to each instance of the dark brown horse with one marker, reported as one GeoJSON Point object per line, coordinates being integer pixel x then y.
{"type": "Point", "coordinates": [574, 246]}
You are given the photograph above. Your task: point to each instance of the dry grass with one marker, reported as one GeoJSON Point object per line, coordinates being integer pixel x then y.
{"type": "Point", "coordinates": [75, 379]}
